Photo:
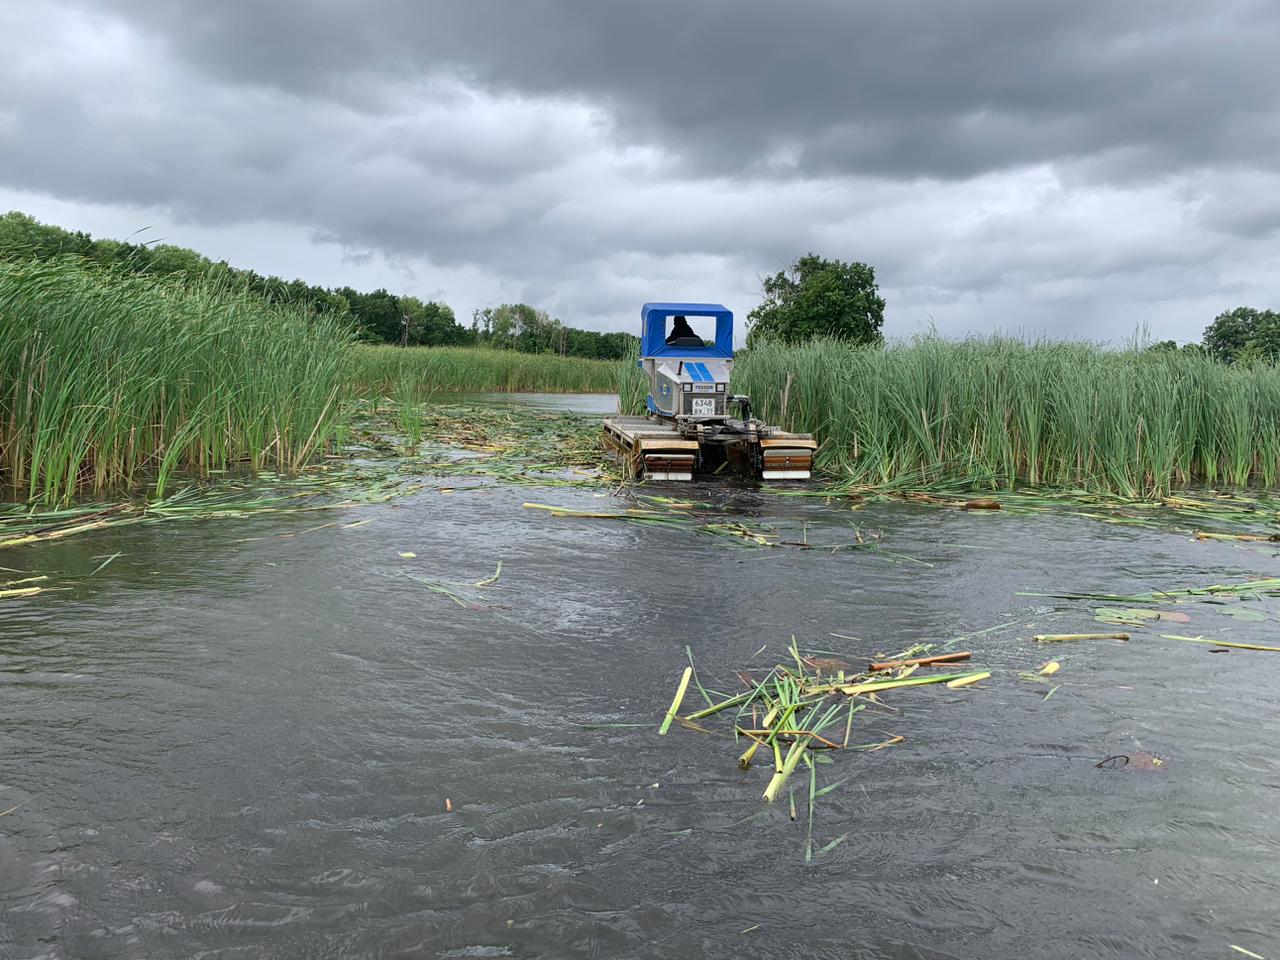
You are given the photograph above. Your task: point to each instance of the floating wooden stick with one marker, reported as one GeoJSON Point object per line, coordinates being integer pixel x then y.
{"type": "Point", "coordinates": [920, 661]}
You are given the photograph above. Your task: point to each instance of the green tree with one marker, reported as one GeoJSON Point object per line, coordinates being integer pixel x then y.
{"type": "Point", "coordinates": [1244, 335]}
{"type": "Point", "coordinates": [433, 324]}
{"type": "Point", "coordinates": [819, 298]}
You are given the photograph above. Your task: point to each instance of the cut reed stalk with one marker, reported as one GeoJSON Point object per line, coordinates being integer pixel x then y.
{"type": "Point", "coordinates": [676, 701]}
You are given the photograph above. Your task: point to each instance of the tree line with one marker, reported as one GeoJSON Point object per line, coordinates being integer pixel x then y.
{"type": "Point", "coordinates": [377, 317]}
{"type": "Point", "coordinates": [814, 297]}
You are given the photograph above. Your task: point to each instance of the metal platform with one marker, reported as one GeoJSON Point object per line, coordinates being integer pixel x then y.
{"type": "Point", "coordinates": [654, 449]}
{"type": "Point", "coordinates": [651, 448]}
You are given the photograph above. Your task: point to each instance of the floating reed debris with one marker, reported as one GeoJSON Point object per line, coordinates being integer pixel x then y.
{"type": "Point", "coordinates": [1255, 589]}
{"type": "Point", "coordinates": [1067, 637]}
{"type": "Point", "coordinates": [264, 493]}
{"type": "Point", "coordinates": [676, 701]}
{"type": "Point", "coordinates": [701, 519]}
{"type": "Point", "coordinates": [1252, 517]}
{"type": "Point", "coordinates": [1242, 602]}
{"type": "Point", "coordinates": [19, 592]}
{"type": "Point", "coordinates": [921, 661]}
{"type": "Point", "coordinates": [966, 680]}
{"type": "Point", "coordinates": [795, 709]}
{"type": "Point", "coordinates": [1221, 643]}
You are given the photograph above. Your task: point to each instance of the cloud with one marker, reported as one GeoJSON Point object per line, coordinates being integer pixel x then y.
{"type": "Point", "coordinates": [1065, 167]}
{"type": "Point", "coordinates": [934, 89]}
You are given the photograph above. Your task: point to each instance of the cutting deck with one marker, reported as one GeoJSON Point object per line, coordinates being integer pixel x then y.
{"type": "Point", "coordinates": [654, 449]}
{"type": "Point", "coordinates": [650, 448]}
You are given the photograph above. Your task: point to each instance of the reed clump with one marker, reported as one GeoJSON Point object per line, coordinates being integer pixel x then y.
{"type": "Point", "coordinates": [107, 379]}
{"type": "Point", "coordinates": [386, 369]}
{"type": "Point", "coordinates": [1001, 413]}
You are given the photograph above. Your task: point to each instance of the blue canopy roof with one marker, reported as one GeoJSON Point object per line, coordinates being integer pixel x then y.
{"type": "Point", "coordinates": [653, 329]}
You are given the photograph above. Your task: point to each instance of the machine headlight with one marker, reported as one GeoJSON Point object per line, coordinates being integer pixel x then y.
{"type": "Point", "coordinates": [688, 388]}
{"type": "Point", "coordinates": [719, 388]}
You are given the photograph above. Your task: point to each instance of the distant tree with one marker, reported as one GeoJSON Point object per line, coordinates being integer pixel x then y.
{"type": "Point", "coordinates": [1164, 346]}
{"type": "Point", "coordinates": [22, 235]}
{"type": "Point", "coordinates": [819, 298]}
{"type": "Point", "coordinates": [1244, 335]}
{"type": "Point", "coordinates": [432, 324]}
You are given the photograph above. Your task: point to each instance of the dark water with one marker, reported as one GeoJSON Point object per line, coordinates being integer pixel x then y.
{"type": "Point", "coordinates": [230, 748]}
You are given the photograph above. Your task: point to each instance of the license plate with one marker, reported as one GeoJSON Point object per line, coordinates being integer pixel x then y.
{"type": "Point", "coordinates": [704, 406]}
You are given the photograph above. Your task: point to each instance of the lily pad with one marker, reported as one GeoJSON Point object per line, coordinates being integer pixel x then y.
{"type": "Point", "coordinates": [1125, 616]}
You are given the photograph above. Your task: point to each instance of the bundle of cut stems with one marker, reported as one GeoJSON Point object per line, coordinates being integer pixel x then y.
{"type": "Point", "coordinates": [788, 713]}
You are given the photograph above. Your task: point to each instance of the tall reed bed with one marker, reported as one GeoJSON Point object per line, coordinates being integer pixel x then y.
{"type": "Point", "coordinates": [384, 369]}
{"type": "Point", "coordinates": [1000, 412]}
{"type": "Point", "coordinates": [632, 386]}
{"type": "Point", "coordinates": [106, 379]}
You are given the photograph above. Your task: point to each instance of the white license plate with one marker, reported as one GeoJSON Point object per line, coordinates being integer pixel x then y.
{"type": "Point", "coordinates": [704, 406]}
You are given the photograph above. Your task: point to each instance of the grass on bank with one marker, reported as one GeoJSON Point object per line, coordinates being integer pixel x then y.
{"type": "Point", "coordinates": [998, 413]}
{"type": "Point", "coordinates": [386, 370]}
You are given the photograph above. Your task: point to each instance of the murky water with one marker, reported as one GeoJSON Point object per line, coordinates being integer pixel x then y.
{"type": "Point", "coordinates": [235, 743]}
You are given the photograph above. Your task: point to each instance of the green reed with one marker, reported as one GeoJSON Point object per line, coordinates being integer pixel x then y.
{"type": "Point", "coordinates": [382, 369]}
{"type": "Point", "coordinates": [997, 412]}
{"type": "Point", "coordinates": [107, 379]}
{"type": "Point", "coordinates": [632, 386]}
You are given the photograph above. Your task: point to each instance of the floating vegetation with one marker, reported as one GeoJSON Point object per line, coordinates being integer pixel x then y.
{"type": "Point", "coordinates": [469, 596]}
{"type": "Point", "coordinates": [513, 444]}
{"type": "Point", "coordinates": [228, 499]}
{"type": "Point", "coordinates": [1238, 517]}
{"type": "Point", "coordinates": [1244, 602]}
{"type": "Point", "coordinates": [1068, 637]}
{"type": "Point", "coordinates": [1221, 643]}
{"type": "Point", "coordinates": [12, 593]}
{"type": "Point", "coordinates": [704, 520]}
{"type": "Point", "coordinates": [1247, 589]}
{"type": "Point", "coordinates": [802, 708]}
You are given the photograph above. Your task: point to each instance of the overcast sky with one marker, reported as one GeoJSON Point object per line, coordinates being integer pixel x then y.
{"type": "Point", "coordinates": [1073, 168]}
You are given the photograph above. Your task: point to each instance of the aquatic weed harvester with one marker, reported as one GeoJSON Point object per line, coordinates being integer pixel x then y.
{"type": "Point", "coordinates": [688, 427]}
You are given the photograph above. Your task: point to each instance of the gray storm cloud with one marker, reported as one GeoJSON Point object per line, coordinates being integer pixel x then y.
{"type": "Point", "coordinates": [1057, 167]}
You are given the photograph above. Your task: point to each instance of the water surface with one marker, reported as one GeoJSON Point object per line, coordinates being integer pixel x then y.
{"type": "Point", "coordinates": [238, 739]}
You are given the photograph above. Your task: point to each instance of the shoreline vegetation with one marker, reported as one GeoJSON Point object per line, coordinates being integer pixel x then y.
{"type": "Point", "coordinates": [998, 413]}
{"type": "Point", "coordinates": [109, 380]}
{"type": "Point", "coordinates": [106, 378]}
{"type": "Point", "coordinates": [390, 371]}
